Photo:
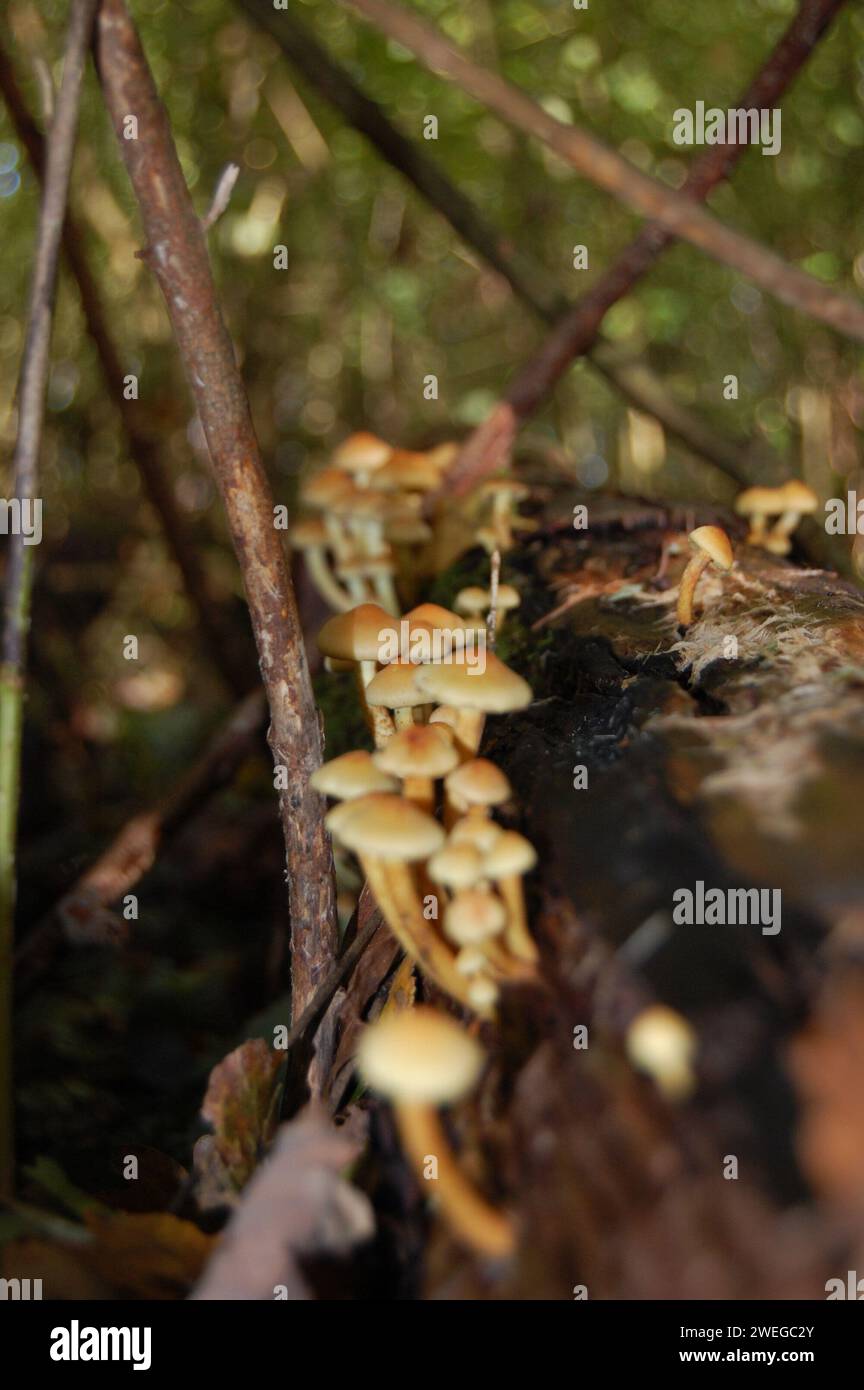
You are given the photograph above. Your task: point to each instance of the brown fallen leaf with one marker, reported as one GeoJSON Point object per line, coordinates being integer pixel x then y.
{"type": "Point", "coordinates": [241, 1105]}
{"type": "Point", "coordinates": [296, 1206]}
{"type": "Point", "coordinates": [145, 1255]}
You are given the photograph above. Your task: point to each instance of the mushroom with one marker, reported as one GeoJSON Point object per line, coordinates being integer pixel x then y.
{"type": "Point", "coordinates": [474, 692]}
{"type": "Point", "coordinates": [476, 831]}
{"type": "Point", "coordinates": [361, 454]}
{"type": "Point", "coordinates": [662, 1043]}
{"type": "Point", "coordinates": [456, 866]}
{"type": "Point", "coordinates": [420, 1059]}
{"type": "Point", "coordinates": [797, 500]}
{"type": "Point", "coordinates": [357, 636]}
{"type": "Point", "coordinates": [418, 755]}
{"type": "Point", "coordinates": [505, 492]}
{"type": "Point", "coordinates": [476, 917]}
{"type": "Point", "coordinates": [509, 857]}
{"type": "Point", "coordinates": [758, 504]}
{"type": "Point", "coordinates": [712, 547]}
{"type": "Point", "coordinates": [389, 834]}
{"type": "Point", "coordinates": [352, 774]}
{"type": "Point", "coordinates": [477, 783]}
{"type": "Point", "coordinates": [396, 688]}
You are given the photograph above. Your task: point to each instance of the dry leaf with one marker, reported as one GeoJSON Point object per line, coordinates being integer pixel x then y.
{"type": "Point", "coordinates": [241, 1106]}
{"type": "Point", "coordinates": [297, 1205]}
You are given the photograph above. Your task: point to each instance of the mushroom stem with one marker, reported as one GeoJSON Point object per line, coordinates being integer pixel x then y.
{"type": "Point", "coordinates": [325, 581]}
{"type": "Point", "coordinates": [385, 593]}
{"type": "Point", "coordinates": [516, 934]}
{"type": "Point", "coordinates": [420, 790]}
{"type": "Point", "coordinates": [377, 718]}
{"type": "Point", "coordinates": [468, 731]}
{"type": "Point", "coordinates": [786, 524]}
{"type": "Point", "coordinates": [470, 1215]}
{"type": "Point", "coordinates": [689, 579]}
{"type": "Point", "coordinates": [417, 936]}
{"type": "Point", "coordinates": [404, 717]}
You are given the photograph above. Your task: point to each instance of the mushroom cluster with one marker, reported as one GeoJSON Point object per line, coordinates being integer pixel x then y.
{"type": "Point", "coordinates": [786, 504]}
{"type": "Point", "coordinates": [365, 518]}
{"type": "Point", "coordinates": [418, 811]}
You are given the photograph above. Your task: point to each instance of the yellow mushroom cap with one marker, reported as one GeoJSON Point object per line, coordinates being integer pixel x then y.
{"type": "Point", "coordinates": [395, 687]}
{"type": "Point", "coordinates": [662, 1043]}
{"type": "Point", "coordinates": [408, 472]}
{"type": "Point", "coordinates": [714, 543]}
{"type": "Point", "coordinates": [456, 866]}
{"type": "Point", "coordinates": [326, 487]}
{"type": "Point", "coordinates": [505, 488]}
{"type": "Point", "coordinates": [386, 827]}
{"type": "Point", "coordinates": [510, 854]}
{"type": "Point", "coordinates": [473, 599]}
{"type": "Point", "coordinates": [483, 992]}
{"type": "Point", "coordinates": [355, 635]}
{"type": "Point", "coordinates": [423, 750]}
{"type": "Point", "coordinates": [477, 831]}
{"type": "Point", "coordinates": [420, 1057]}
{"type": "Point", "coordinates": [507, 598]}
{"type": "Point", "coordinates": [473, 916]}
{"type": "Point", "coordinates": [798, 497]}
{"type": "Point", "coordinates": [435, 616]}
{"type": "Point", "coordinates": [478, 783]}
{"type": "Point", "coordinates": [353, 774]}
{"type": "Point", "coordinates": [495, 688]}
{"type": "Point", "coordinates": [445, 714]}
{"type": "Point", "coordinates": [362, 453]}
{"type": "Point", "coordinates": [759, 501]}
{"type": "Point", "coordinates": [307, 534]}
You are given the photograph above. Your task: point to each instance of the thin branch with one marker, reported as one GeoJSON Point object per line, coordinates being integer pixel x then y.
{"type": "Point", "coordinates": [19, 572]}
{"type": "Point", "coordinates": [177, 253]}
{"type": "Point", "coordinates": [234, 665]}
{"type": "Point", "coordinates": [528, 278]}
{"type": "Point", "coordinates": [488, 448]}
{"type": "Point", "coordinates": [675, 212]}
{"type": "Point", "coordinates": [83, 915]}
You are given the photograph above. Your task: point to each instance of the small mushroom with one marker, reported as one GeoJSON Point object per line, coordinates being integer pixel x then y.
{"type": "Point", "coordinates": [457, 866]}
{"type": "Point", "coordinates": [662, 1043]}
{"type": "Point", "coordinates": [418, 755]}
{"type": "Point", "coordinates": [352, 774]}
{"type": "Point", "coordinates": [474, 691]}
{"type": "Point", "coordinates": [509, 858]}
{"type": "Point", "coordinates": [357, 636]}
{"type": "Point", "coordinates": [712, 547]}
{"type": "Point", "coordinates": [477, 783]}
{"type": "Point", "coordinates": [396, 688]}
{"type": "Point", "coordinates": [758, 504]}
{"type": "Point", "coordinates": [797, 500]}
{"type": "Point", "coordinates": [361, 455]}
{"type": "Point", "coordinates": [389, 835]}
{"type": "Point", "coordinates": [420, 1059]}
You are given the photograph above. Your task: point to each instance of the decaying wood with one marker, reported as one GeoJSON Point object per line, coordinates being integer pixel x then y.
{"type": "Point", "coordinates": [731, 755]}
{"type": "Point", "coordinates": [177, 254]}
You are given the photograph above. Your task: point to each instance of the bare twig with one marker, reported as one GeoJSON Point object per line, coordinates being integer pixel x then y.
{"type": "Point", "coordinates": [675, 212]}
{"type": "Point", "coordinates": [235, 666]}
{"type": "Point", "coordinates": [177, 254]}
{"type": "Point", "coordinates": [19, 572]}
{"type": "Point", "coordinates": [488, 448]}
{"type": "Point", "coordinates": [83, 915]}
